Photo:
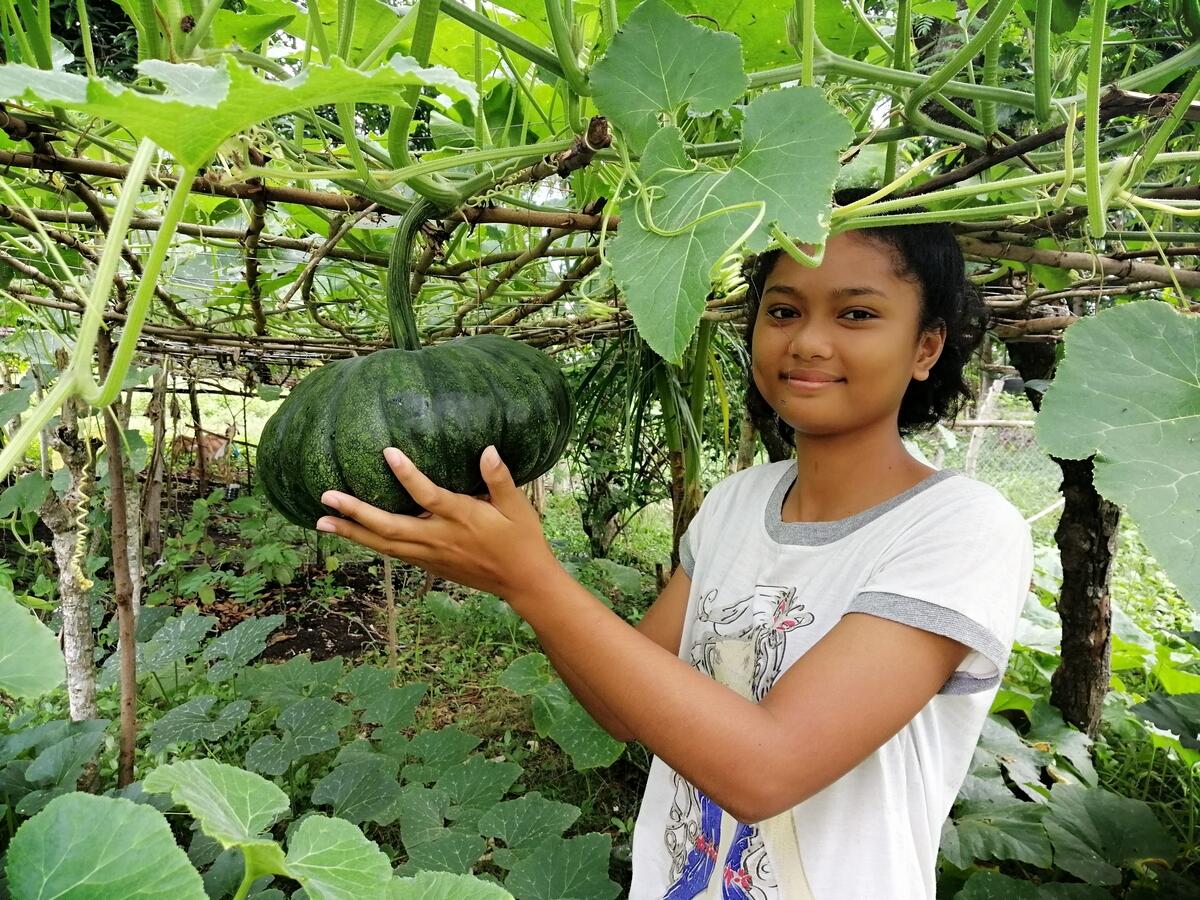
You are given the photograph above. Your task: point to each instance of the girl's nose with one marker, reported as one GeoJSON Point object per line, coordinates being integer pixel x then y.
{"type": "Point", "coordinates": [811, 339]}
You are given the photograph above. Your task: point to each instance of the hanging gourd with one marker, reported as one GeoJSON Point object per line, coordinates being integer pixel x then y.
{"type": "Point", "coordinates": [441, 405]}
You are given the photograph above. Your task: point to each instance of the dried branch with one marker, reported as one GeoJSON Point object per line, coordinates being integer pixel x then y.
{"type": "Point", "coordinates": [258, 220]}
{"type": "Point", "coordinates": [523, 259]}
{"type": "Point", "coordinates": [1064, 259]}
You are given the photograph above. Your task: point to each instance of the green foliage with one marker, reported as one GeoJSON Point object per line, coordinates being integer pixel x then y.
{"type": "Point", "coordinates": [558, 715]}
{"type": "Point", "coordinates": [1127, 391]}
{"type": "Point", "coordinates": [61, 852]}
{"type": "Point", "coordinates": [637, 83]}
{"type": "Point", "coordinates": [201, 107]}
{"type": "Point", "coordinates": [30, 662]}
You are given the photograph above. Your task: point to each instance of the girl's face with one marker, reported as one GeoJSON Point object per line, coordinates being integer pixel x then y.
{"type": "Point", "coordinates": [836, 346]}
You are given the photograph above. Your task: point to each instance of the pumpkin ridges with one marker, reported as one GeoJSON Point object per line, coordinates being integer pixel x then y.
{"type": "Point", "coordinates": [322, 469]}
{"type": "Point", "coordinates": [304, 420]}
{"type": "Point", "coordinates": [279, 480]}
{"type": "Point", "coordinates": [363, 428]}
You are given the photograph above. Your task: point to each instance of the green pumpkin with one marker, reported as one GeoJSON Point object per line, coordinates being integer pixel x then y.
{"type": "Point", "coordinates": [441, 405]}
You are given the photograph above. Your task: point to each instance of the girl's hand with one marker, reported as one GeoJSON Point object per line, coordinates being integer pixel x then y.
{"type": "Point", "coordinates": [493, 545]}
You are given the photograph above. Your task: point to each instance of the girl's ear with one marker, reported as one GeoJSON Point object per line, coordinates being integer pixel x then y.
{"type": "Point", "coordinates": [929, 349]}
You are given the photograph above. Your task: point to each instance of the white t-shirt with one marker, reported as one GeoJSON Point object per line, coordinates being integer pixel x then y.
{"type": "Point", "coordinates": [950, 555]}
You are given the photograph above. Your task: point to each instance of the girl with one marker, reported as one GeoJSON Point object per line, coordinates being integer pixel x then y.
{"type": "Point", "coordinates": [815, 676]}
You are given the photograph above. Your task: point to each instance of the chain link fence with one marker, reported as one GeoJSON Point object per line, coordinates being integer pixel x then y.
{"type": "Point", "coordinates": [999, 448]}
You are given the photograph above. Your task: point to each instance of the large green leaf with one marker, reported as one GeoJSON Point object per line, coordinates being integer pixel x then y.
{"type": "Point", "coordinates": [994, 886]}
{"type": "Point", "coordinates": [25, 496]}
{"type": "Point", "coordinates": [565, 867]}
{"type": "Point", "coordinates": [333, 860]}
{"type": "Point", "coordinates": [279, 685]}
{"type": "Point", "coordinates": [310, 725]}
{"type": "Point", "coordinates": [444, 886]}
{"type": "Point", "coordinates": [191, 721]}
{"type": "Point", "coordinates": [30, 662]}
{"type": "Point", "coordinates": [476, 785]}
{"type": "Point", "coordinates": [97, 848]}
{"type": "Point", "coordinates": [660, 64]}
{"type": "Point", "coordinates": [201, 106]}
{"type": "Point", "coordinates": [1128, 391]}
{"type": "Point", "coordinates": [236, 647]}
{"type": "Point", "coordinates": [783, 176]}
{"type": "Point", "coordinates": [524, 823]}
{"type": "Point", "coordinates": [762, 26]}
{"type": "Point", "coordinates": [232, 805]}
{"type": "Point", "coordinates": [1179, 713]}
{"type": "Point", "coordinates": [438, 751]}
{"type": "Point", "coordinates": [455, 849]}
{"type": "Point", "coordinates": [1000, 829]}
{"type": "Point", "coordinates": [362, 790]}
{"type": "Point", "coordinates": [558, 715]}
{"type": "Point", "coordinates": [1096, 833]}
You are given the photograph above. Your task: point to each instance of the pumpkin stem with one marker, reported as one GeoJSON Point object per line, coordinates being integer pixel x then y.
{"type": "Point", "coordinates": [401, 320]}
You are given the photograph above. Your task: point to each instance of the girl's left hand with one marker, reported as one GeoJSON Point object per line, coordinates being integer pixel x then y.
{"type": "Point", "coordinates": [494, 545]}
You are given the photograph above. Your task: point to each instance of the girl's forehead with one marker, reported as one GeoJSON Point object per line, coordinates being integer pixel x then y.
{"type": "Point", "coordinates": [850, 261]}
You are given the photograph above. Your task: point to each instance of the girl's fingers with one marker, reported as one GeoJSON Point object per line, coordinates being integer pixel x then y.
{"type": "Point", "coordinates": [435, 499]}
{"type": "Point", "coordinates": [388, 526]}
{"type": "Point", "coordinates": [405, 550]}
{"type": "Point", "coordinates": [502, 491]}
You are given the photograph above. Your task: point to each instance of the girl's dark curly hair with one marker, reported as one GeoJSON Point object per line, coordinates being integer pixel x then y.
{"type": "Point", "coordinates": [928, 256]}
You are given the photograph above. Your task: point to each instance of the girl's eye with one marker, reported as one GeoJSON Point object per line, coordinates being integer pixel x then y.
{"type": "Point", "coordinates": [781, 312]}
{"type": "Point", "coordinates": [865, 315]}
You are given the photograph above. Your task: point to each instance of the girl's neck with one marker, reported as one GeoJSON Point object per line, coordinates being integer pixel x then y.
{"type": "Point", "coordinates": [841, 475]}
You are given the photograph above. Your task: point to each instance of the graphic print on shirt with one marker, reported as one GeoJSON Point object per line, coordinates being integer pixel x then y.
{"type": "Point", "coordinates": [743, 647]}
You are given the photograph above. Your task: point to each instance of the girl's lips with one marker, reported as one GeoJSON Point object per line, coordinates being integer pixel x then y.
{"type": "Point", "coordinates": [805, 386]}
{"type": "Point", "coordinates": [810, 381]}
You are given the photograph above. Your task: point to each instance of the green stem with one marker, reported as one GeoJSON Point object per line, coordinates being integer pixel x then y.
{"type": "Point", "coordinates": [829, 62]}
{"type": "Point", "coordinates": [1024, 207]}
{"type": "Point", "coordinates": [865, 21]}
{"type": "Point", "coordinates": [1043, 71]}
{"type": "Point", "coordinates": [392, 35]}
{"type": "Point", "coordinates": [463, 160]}
{"type": "Point", "coordinates": [808, 31]}
{"type": "Point", "coordinates": [564, 49]}
{"type": "Point", "coordinates": [346, 16]}
{"type": "Point", "coordinates": [419, 49]}
{"type": "Point", "coordinates": [608, 18]}
{"type": "Point", "coordinates": [38, 38]}
{"type": "Point", "coordinates": [89, 326]}
{"type": "Point", "coordinates": [17, 31]}
{"type": "Point", "coordinates": [401, 319]}
{"type": "Point", "coordinates": [146, 23]}
{"type": "Point", "coordinates": [202, 27]}
{"type": "Point", "coordinates": [503, 36]}
{"type": "Point", "coordinates": [1159, 140]}
{"type": "Point", "coordinates": [317, 30]}
{"type": "Point", "coordinates": [991, 75]}
{"type": "Point", "coordinates": [85, 34]}
{"type": "Point", "coordinates": [1091, 122]}
{"type": "Point", "coordinates": [481, 131]}
{"type": "Point", "coordinates": [955, 64]}
{"type": "Point", "coordinates": [1179, 63]}
{"type": "Point", "coordinates": [138, 309]}
{"type": "Point", "coordinates": [345, 114]}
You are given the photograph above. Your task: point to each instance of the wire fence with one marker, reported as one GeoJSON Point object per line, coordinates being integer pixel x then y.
{"type": "Point", "coordinates": [1000, 449]}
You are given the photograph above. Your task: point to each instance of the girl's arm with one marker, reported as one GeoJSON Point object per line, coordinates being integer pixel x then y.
{"type": "Point", "coordinates": [662, 623]}
{"type": "Point", "coordinates": [836, 705]}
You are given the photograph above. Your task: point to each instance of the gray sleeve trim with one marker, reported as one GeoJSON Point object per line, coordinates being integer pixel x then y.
{"type": "Point", "coordinates": [686, 560]}
{"type": "Point", "coordinates": [939, 620]}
